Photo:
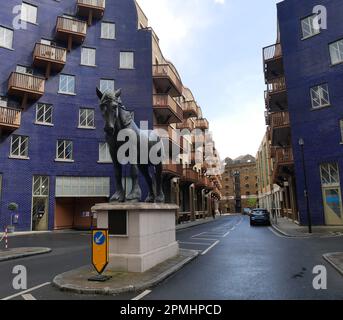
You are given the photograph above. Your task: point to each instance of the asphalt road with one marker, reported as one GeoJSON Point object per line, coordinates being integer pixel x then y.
{"type": "Point", "coordinates": [236, 262]}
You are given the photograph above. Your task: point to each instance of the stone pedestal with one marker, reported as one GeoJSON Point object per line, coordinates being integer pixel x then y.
{"type": "Point", "coordinates": [142, 235]}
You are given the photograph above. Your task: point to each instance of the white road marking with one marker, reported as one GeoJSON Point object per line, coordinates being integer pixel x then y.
{"type": "Point", "coordinates": [142, 295]}
{"type": "Point", "coordinates": [209, 248]}
{"type": "Point", "coordinates": [226, 234]}
{"type": "Point", "coordinates": [28, 296]}
{"type": "Point", "coordinates": [208, 239]}
{"type": "Point", "coordinates": [26, 291]}
{"type": "Point", "coordinates": [199, 234]}
{"type": "Point", "coordinates": [196, 243]}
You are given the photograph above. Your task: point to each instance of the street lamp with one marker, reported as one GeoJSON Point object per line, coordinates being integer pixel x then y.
{"type": "Point", "coordinates": [302, 144]}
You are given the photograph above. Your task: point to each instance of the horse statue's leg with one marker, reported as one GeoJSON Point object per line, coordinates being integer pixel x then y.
{"type": "Point", "coordinates": [136, 192]}
{"type": "Point", "coordinates": [160, 198]}
{"type": "Point", "coordinates": [144, 169]}
{"type": "Point", "coordinates": [119, 195]}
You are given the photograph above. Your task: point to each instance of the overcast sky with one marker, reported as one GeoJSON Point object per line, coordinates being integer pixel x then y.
{"type": "Point", "coordinates": [216, 46]}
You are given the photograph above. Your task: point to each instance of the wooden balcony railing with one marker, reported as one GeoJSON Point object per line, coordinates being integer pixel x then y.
{"type": "Point", "coordinates": [173, 168]}
{"type": "Point", "coordinates": [186, 124]}
{"type": "Point", "coordinates": [202, 124]}
{"type": "Point", "coordinates": [276, 85]}
{"type": "Point", "coordinates": [49, 57]}
{"type": "Point", "coordinates": [284, 156]}
{"type": "Point", "coordinates": [169, 107]}
{"type": "Point", "coordinates": [279, 119]}
{"type": "Point", "coordinates": [190, 109]}
{"type": "Point", "coordinates": [26, 85]}
{"type": "Point", "coordinates": [165, 77]}
{"type": "Point", "coordinates": [168, 132]}
{"type": "Point", "coordinates": [190, 175]}
{"type": "Point", "coordinates": [90, 9]}
{"type": "Point", "coordinates": [272, 52]}
{"type": "Point", "coordinates": [9, 118]}
{"type": "Point", "coordinates": [71, 30]}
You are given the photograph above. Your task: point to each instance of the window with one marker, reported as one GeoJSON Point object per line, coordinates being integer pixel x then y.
{"type": "Point", "coordinates": [341, 125]}
{"type": "Point", "coordinates": [104, 153]}
{"type": "Point", "coordinates": [308, 26]}
{"type": "Point", "coordinates": [64, 150]}
{"type": "Point", "coordinates": [329, 174]}
{"type": "Point", "coordinates": [336, 52]}
{"type": "Point", "coordinates": [40, 186]}
{"type": "Point", "coordinates": [86, 118]}
{"type": "Point", "coordinates": [67, 84]}
{"type": "Point", "coordinates": [44, 114]}
{"type": "Point", "coordinates": [126, 60]}
{"type": "Point", "coordinates": [320, 96]}
{"type": "Point", "coordinates": [106, 85]}
{"type": "Point", "coordinates": [108, 30]}
{"type": "Point", "coordinates": [24, 69]}
{"type": "Point", "coordinates": [6, 38]}
{"type": "Point", "coordinates": [28, 13]}
{"type": "Point", "coordinates": [88, 56]}
{"type": "Point", "coordinates": [19, 147]}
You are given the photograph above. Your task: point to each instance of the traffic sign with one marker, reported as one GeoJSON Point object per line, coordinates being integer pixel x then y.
{"type": "Point", "coordinates": [100, 252]}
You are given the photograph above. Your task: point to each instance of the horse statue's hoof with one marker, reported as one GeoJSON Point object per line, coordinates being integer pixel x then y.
{"type": "Point", "coordinates": [150, 199]}
{"type": "Point", "coordinates": [118, 197]}
{"type": "Point", "coordinates": [160, 199]}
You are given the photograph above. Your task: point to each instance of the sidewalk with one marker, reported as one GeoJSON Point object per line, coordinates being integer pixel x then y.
{"type": "Point", "coordinates": [336, 260]}
{"type": "Point", "coordinates": [17, 253]}
{"type": "Point", "coordinates": [290, 229]}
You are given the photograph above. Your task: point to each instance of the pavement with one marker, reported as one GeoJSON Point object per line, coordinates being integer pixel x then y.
{"type": "Point", "coordinates": [17, 253]}
{"type": "Point", "coordinates": [336, 260]}
{"type": "Point", "coordinates": [120, 282]}
{"type": "Point", "coordinates": [291, 229]}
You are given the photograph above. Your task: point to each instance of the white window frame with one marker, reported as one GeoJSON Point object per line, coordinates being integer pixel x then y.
{"type": "Point", "coordinates": [330, 168]}
{"type": "Point", "coordinates": [22, 152]}
{"type": "Point", "coordinates": [69, 78]}
{"type": "Point", "coordinates": [29, 13]}
{"type": "Point", "coordinates": [317, 96]}
{"type": "Point", "coordinates": [127, 60]}
{"type": "Point", "coordinates": [104, 85]}
{"type": "Point", "coordinates": [104, 153]}
{"type": "Point", "coordinates": [106, 32]}
{"type": "Point", "coordinates": [90, 122]}
{"type": "Point", "coordinates": [336, 48]}
{"type": "Point", "coordinates": [47, 108]}
{"type": "Point", "coordinates": [88, 57]}
{"type": "Point", "coordinates": [62, 157]}
{"type": "Point", "coordinates": [308, 21]}
{"type": "Point", "coordinates": [6, 38]}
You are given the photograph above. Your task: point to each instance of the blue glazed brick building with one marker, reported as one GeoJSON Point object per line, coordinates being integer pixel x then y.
{"type": "Point", "coordinates": [307, 62]}
{"type": "Point", "coordinates": [54, 162]}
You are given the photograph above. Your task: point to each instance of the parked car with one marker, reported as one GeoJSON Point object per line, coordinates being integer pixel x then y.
{"type": "Point", "coordinates": [260, 216]}
{"type": "Point", "coordinates": [247, 211]}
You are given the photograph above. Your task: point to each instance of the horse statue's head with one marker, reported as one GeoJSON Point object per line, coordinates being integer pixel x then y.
{"type": "Point", "coordinates": [112, 110]}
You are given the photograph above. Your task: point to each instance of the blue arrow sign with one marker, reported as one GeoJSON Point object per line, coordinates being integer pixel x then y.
{"type": "Point", "coordinates": [99, 238]}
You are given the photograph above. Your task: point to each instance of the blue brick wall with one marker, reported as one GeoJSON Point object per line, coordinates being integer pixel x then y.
{"type": "Point", "coordinates": [137, 95]}
{"type": "Point", "coordinates": [307, 63]}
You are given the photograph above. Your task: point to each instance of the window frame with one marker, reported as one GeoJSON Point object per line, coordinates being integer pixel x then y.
{"type": "Point", "coordinates": [87, 110]}
{"type": "Point", "coordinates": [59, 84]}
{"type": "Point", "coordinates": [87, 63]}
{"type": "Point", "coordinates": [21, 143]}
{"type": "Point", "coordinates": [102, 33]}
{"type": "Point", "coordinates": [107, 150]}
{"type": "Point", "coordinates": [341, 53]}
{"type": "Point", "coordinates": [107, 80]}
{"type": "Point", "coordinates": [45, 105]}
{"type": "Point", "coordinates": [3, 44]}
{"type": "Point", "coordinates": [312, 100]}
{"type": "Point", "coordinates": [120, 60]}
{"type": "Point", "coordinates": [303, 37]}
{"type": "Point", "coordinates": [30, 5]}
{"type": "Point", "coordinates": [64, 159]}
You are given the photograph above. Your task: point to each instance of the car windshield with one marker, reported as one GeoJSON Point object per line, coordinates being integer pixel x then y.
{"type": "Point", "coordinates": [260, 212]}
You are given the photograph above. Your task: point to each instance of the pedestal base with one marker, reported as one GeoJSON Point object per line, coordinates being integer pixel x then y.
{"type": "Point", "coordinates": [142, 235]}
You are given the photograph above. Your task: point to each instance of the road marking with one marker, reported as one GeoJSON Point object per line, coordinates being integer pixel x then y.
{"type": "Point", "coordinates": [233, 228]}
{"type": "Point", "coordinates": [199, 234]}
{"type": "Point", "coordinates": [208, 239]}
{"type": "Point", "coordinates": [226, 234]}
{"type": "Point", "coordinates": [26, 291]}
{"type": "Point", "coordinates": [28, 296]}
{"type": "Point", "coordinates": [196, 243]}
{"type": "Point", "coordinates": [142, 295]}
{"type": "Point", "coordinates": [209, 248]}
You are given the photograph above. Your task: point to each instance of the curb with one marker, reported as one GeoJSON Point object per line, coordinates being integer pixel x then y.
{"type": "Point", "coordinates": [25, 255]}
{"type": "Point", "coordinates": [327, 258]}
{"type": "Point", "coordinates": [133, 288]}
{"type": "Point", "coordinates": [287, 234]}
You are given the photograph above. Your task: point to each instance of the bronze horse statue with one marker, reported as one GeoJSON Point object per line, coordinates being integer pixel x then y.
{"type": "Point", "coordinates": [118, 118]}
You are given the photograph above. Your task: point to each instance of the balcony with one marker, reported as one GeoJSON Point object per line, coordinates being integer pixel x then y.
{"type": "Point", "coordinates": [49, 58]}
{"type": "Point", "coordinates": [26, 86]}
{"type": "Point", "coordinates": [91, 9]}
{"type": "Point", "coordinates": [202, 182]}
{"type": "Point", "coordinates": [201, 124]}
{"type": "Point", "coordinates": [170, 137]}
{"type": "Point", "coordinates": [186, 125]}
{"type": "Point", "coordinates": [276, 95]}
{"type": "Point", "coordinates": [173, 170]}
{"type": "Point", "coordinates": [273, 62]}
{"type": "Point", "coordinates": [9, 119]}
{"type": "Point", "coordinates": [190, 109]}
{"type": "Point", "coordinates": [71, 30]}
{"type": "Point", "coordinates": [189, 175]}
{"type": "Point", "coordinates": [283, 164]}
{"type": "Point", "coordinates": [166, 109]}
{"type": "Point", "coordinates": [280, 129]}
{"type": "Point", "coordinates": [167, 80]}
